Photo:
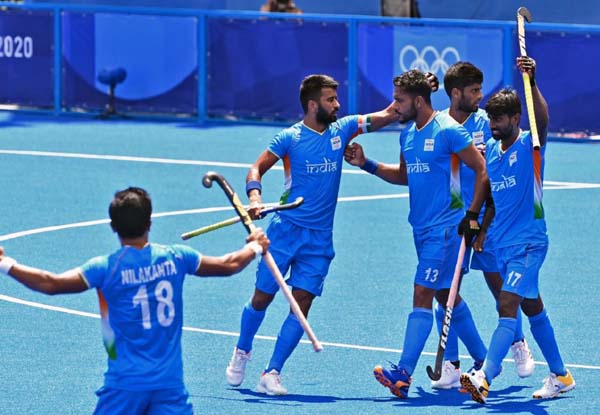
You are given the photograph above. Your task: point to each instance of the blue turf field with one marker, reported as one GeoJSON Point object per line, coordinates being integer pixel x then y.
{"type": "Point", "coordinates": [57, 177]}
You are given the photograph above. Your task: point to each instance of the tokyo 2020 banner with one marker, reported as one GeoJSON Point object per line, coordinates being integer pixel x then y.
{"type": "Point", "coordinates": [26, 58]}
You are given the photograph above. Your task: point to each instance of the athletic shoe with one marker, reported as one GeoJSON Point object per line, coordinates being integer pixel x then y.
{"type": "Point", "coordinates": [450, 377]}
{"type": "Point", "coordinates": [476, 384]}
{"type": "Point", "coordinates": [555, 385]}
{"type": "Point", "coordinates": [237, 367]}
{"type": "Point", "coordinates": [523, 358]}
{"type": "Point", "coordinates": [397, 380]}
{"type": "Point", "coordinates": [270, 383]}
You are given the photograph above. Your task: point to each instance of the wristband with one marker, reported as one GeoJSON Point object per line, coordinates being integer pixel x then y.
{"type": "Point", "coordinates": [253, 184]}
{"type": "Point", "coordinates": [471, 215]}
{"type": "Point", "coordinates": [256, 247]}
{"type": "Point", "coordinates": [370, 166]}
{"type": "Point", "coordinates": [6, 264]}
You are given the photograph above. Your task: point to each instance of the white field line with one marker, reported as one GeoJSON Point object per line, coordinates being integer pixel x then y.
{"type": "Point", "coordinates": [234, 334]}
{"type": "Point", "coordinates": [550, 185]}
{"type": "Point", "coordinates": [142, 159]}
{"type": "Point", "coordinates": [566, 185]}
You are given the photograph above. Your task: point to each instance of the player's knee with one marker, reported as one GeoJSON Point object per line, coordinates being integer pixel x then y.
{"type": "Point", "coordinates": [423, 297]}
{"type": "Point", "coordinates": [261, 300]}
{"type": "Point", "coordinates": [508, 304]}
{"type": "Point", "coordinates": [304, 299]}
{"type": "Point", "coordinates": [532, 307]}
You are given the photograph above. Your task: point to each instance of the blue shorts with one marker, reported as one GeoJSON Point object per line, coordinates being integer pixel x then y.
{"type": "Point", "coordinates": [437, 250]}
{"type": "Point", "coordinates": [307, 253]}
{"type": "Point", "coordinates": [483, 261]}
{"type": "Point", "coordinates": [520, 268]}
{"type": "Point", "coordinates": [155, 402]}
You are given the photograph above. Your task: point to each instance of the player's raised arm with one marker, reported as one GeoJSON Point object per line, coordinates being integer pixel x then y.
{"type": "Point", "coordinates": [233, 262]}
{"type": "Point", "coordinates": [382, 118]}
{"type": "Point", "coordinates": [540, 106]}
{"type": "Point", "coordinates": [41, 280]}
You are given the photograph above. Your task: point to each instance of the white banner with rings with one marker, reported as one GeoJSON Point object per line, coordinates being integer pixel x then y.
{"type": "Point", "coordinates": [434, 49]}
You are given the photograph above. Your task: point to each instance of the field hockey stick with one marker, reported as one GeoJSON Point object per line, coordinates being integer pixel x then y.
{"type": "Point", "coordinates": [207, 181]}
{"type": "Point", "coordinates": [264, 212]}
{"type": "Point", "coordinates": [523, 15]}
{"type": "Point", "coordinates": [436, 374]}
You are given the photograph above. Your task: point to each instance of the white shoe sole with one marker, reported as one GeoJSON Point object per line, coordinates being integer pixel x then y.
{"type": "Point", "coordinates": [262, 389]}
{"type": "Point", "coordinates": [446, 387]}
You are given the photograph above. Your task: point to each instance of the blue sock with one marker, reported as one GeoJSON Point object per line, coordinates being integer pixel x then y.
{"type": "Point", "coordinates": [251, 321]}
{"type": "Point", "coordinates": [519, 335]}
{"type": "Point", "coordinates": [463, 323]}
{"type": "Point", "coordinates": [519, 328]}
{"type": "Point", "coordinates": [418, 328]}
{"type": "Point", "coordinates": [451, 352]}
{"type": "Point", "coordinates": [543, 333]}
{"type": "Point", "coordinates": [500, 344]}
{"type": "Point", "coordinates": [289, 336]}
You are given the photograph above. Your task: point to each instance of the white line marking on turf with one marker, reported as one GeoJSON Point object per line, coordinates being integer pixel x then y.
{"type": "Point", "coordinates": [552, 186]}
{"type": "Point", "coordinates": [234, 334]}
{"type": "Point", "coordinates": [143, 159]}
{"type": "Point", "coordinates": [548, 185]}
{"type": "Point", "coordinates": [105, 221]}
{"type": "Point", "coordinates": [567, 185]}
{"type": "Point", "coordinates": [171, 213]}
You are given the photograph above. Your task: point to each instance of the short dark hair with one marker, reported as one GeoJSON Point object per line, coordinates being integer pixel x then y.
{"type": "Point", "coordinates": [130, 212]}
{"type": "Point", "coordinates": [311, 86]}
{"type": "Point", "coordinates": [461, 75]}
{"type": "Point", "coordinates": [506, 101]}
{"type": "Point", "coordinates": [415, 83]}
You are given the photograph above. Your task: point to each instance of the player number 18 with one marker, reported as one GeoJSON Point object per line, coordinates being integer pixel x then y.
{"type": "Point", "coordinates": [165, 309]}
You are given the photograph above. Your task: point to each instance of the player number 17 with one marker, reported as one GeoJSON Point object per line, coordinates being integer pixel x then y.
{"type": "Point", "coordinates": [513, 278]}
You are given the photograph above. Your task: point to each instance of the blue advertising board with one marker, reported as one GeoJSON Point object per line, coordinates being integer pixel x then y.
{"type": "Point", "coordinates": [158, 53]}
{"type": "Point", "coordinates": [566, 67]}
{"type": "Point", "coordinates": [26, 58]}
{"type": "Point", "coordinates": [255, 67]}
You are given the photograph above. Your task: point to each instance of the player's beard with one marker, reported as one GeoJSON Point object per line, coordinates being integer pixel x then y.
{"type": "Point", "coordinates": [408, 116]}
{"type": "Point", "coordinates": [504, 133]}
{"type": "Point", "coordinates": [467, 107]}
{"type": "Point", "coordinates": [326, 118]}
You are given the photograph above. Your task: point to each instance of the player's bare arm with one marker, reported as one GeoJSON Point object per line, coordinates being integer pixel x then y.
{"type": "Point", "coordinates": [265, 161]}
{"type": "Point", "coordinates": [234, 262]}
{"type": "Point", "coordinates": [474, 160]}
{"type": "Point", "coordinates": [540, 106]}
{"type": "Point", "coordinates": [391, 173]}
{"type": "Point", "coordinates": [44, 281]}
{"type": "Point", "coordinates": [384, 117]}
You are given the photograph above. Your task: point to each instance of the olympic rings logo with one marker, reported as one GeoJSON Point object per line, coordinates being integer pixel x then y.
{"type": "Point", "coordinates": [428, 60]}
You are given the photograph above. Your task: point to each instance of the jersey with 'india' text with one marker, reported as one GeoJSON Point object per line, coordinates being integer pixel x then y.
{"type": "Point", "coordinates": [516, 177]}
{"type": "Point", "coordinates": [312, 164]}
{"type": "Point", "coordinates": [433, 170]}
